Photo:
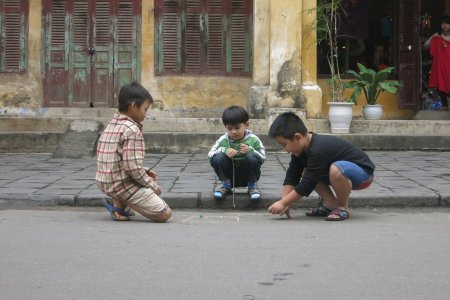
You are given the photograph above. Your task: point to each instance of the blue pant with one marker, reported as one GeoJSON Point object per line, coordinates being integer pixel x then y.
{"type": "Point", "coordinates": [246, 170]}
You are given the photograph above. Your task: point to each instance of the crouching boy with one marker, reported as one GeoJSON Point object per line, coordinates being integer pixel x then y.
{"type": "Point", "coordinates": [237, 155]}
{"type": "Point", "coordinates": [324, 163]}
{"type": "Point", "coordinates": [120, 156]}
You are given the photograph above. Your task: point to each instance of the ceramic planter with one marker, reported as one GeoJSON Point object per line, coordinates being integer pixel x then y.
{"type": "Point", "coordinates": [340, 115]}
{"type": "Point", "coordinates": [372, 112]}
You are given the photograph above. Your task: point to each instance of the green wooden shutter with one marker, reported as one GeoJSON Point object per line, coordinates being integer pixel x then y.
{"type": "Point", "coordinates": [79, 84]}
{"type": "Point", "coordinates": [215, 36]}
{"type": "Point", "coordinates": [168, 20]}
{"type": "Point", "coordinates": [203, 37]}
{"type": "Point", "coordinates": [13, 35]}
{"type": "Point", "coordinates": [240, 37]}
{"type": "Point", "coordinates": [193, 26]}
{"type": "Point", "coordinates": [127, 48]}
{"type": "Point", "coordinates": [56, 57]}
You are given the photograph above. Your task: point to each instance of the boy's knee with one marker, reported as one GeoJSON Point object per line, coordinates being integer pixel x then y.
{"type": "Point", "coordinates": [335, 172]}
{"type": "Point", "coordinates": [218, 159]}
{"type": "Point", "coordinates": [253, 159]}
{"type": "Point", "coordinates": [164, 217]}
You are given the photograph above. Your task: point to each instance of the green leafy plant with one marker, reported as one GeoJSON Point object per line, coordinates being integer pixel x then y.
{"type": "Point", "coordinates": [371, 83]}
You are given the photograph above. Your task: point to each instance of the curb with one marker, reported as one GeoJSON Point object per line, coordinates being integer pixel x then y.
{"type": "Point", "coordinates": [206, 200]}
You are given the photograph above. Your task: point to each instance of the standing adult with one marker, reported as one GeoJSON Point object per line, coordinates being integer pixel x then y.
{"type": "Point", "coordinates": [439, 45]}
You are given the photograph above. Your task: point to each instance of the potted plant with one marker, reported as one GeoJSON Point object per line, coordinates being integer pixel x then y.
{"type": "Point", "coordinates": [326, 23]}
{"type": "Point", "coordinates": [371, 84]}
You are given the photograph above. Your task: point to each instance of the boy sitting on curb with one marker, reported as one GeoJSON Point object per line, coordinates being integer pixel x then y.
{"type": "Point", "coordinates": [323, 163]}
{"type": "Point", "coordinates": [120, 157]}
{"type": "Point", "coordinates": [237, 155]}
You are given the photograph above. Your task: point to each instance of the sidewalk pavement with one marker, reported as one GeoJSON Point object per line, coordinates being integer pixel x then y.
{"type": "Point", "coordinates": [187, 181]}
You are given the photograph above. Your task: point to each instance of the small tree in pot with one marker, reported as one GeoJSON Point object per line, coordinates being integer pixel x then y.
{"type": "Point", "coordinates": [326, 25]}
{"type": "Point", "coordinates": [371, 84]}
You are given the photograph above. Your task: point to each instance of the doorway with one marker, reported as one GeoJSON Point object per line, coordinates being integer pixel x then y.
{"type": "Point", "coordinates": [431, 15]}
{"type": "Point", "coordinates": [92, 48]}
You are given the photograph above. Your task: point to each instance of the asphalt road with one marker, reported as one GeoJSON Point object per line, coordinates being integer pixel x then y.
{"type": "Point", "coordinates": [67, 253]}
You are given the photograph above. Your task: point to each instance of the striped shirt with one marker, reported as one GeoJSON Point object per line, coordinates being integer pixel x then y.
{"type": "Point", "coordinates": [120, 158]}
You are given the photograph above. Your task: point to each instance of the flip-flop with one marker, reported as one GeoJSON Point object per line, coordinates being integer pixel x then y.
{"type": "Point", "coordinates": [128, 212]}
{"type": "Point", "coordinates": [111, 208]}
{"type": "Point", "coordinates": [319, 211]}
{"type": "Point", "coordinates": [254, 194]}
{"type": "Point", "coordinates": [340, 213]}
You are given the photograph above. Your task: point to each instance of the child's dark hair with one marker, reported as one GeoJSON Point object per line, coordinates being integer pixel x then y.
{"type": "Point", "coordinates": [445, 19]}
{"type": "Point", "coordinates": [133, 92]}
{"type": "Point", "coordinates": [234, 115]}
{"type": "Point", "coordinates": [287, 125]}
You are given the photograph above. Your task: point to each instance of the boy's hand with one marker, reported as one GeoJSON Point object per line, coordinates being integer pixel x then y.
{"type": "Point", "coordinates": [152, 174]}
{"type": "Point", "coordinates": [279, 208]}
{"type": "Point", "coordinates": [231, 152]}
{"type": "Point", "coordinates": [157, 190]}
{"type": "Point", "coordinates": [244, 148]}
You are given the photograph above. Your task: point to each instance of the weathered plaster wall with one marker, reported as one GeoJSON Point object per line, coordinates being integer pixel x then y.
{"type": "Point", "coordinates": [261, 49]}
{"type": "Point", "coordinates": [311, 90]}
{"type": "Point", "coordinates": [26, 90]}
{"type": "Point", "coordinates": [285, 54]}
{"type": "Point", "coordinates": [188, 95]}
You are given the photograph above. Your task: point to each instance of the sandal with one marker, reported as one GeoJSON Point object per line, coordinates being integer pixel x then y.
{"type": "Point", "coordinates": [319, 211]}
{"type": "Point", "coordinates": [338, 215]}
{"type": "Point", "coordinates": [254, 194]}
{"type": "Point", "coordinates": [121, 214]}
{"type": "Point", "coordinates": [128, 212]}
{"type": "Point", "coordinates": [221, 193]}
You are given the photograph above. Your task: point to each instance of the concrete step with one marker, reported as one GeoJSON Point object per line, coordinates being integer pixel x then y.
{"type": "Point", "coordinates": [432, 115]}
{"type": "Point", "coordinates": [165, 133]}
{"type": "Point", "coordinates": [214, 125]}
{"type": "Point", "coordinates": [183, 142]}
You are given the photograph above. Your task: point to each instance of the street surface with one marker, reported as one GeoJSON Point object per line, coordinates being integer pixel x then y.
{"type": "Point", "coordinates": [79, 253]}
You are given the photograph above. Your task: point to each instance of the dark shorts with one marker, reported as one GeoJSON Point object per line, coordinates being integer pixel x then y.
{"type": "Point", "coordinates": [357, 175]}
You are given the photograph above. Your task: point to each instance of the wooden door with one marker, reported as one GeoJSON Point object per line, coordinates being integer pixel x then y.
{"type": "Point", "coordinates": [92, 49]}
{"type": "Point", "coordinates": [408, 52]}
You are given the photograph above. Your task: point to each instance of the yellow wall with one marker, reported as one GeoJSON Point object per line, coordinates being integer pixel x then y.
{"type": "Point", "coordinates": [26, 90]}
{"type": "Point", "coordinates": [202, 95]}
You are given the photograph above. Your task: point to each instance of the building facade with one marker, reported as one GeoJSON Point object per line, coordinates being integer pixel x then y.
{"type": "Point", "coordinates": [196, 57]}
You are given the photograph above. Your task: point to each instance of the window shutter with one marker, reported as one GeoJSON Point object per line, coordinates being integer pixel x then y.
{"type": "Point", "coordinates": [127, 54]}
{"type": "Point", "coordinates": [168, 16]}
{"type": "Point", "coordinates": [240, 37]}
{"type": "Point", "coordinates": [102, 33]}
{"type": "Point", "coordinates": [80, 24]}
{"type": "Point", "coordinates": [193, 37]}
{"type": "Point", "coordinates": [14, 31]}
{"type": "Point", "coordinates": [216, 21]}
{"type": "Point", "coordinates": [203, 37]}
{"type": "Point", "coordinates": [58, 25]}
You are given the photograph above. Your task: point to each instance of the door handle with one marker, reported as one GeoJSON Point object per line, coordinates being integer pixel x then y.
{"type": "Point", "coordinates": [91, 50]}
